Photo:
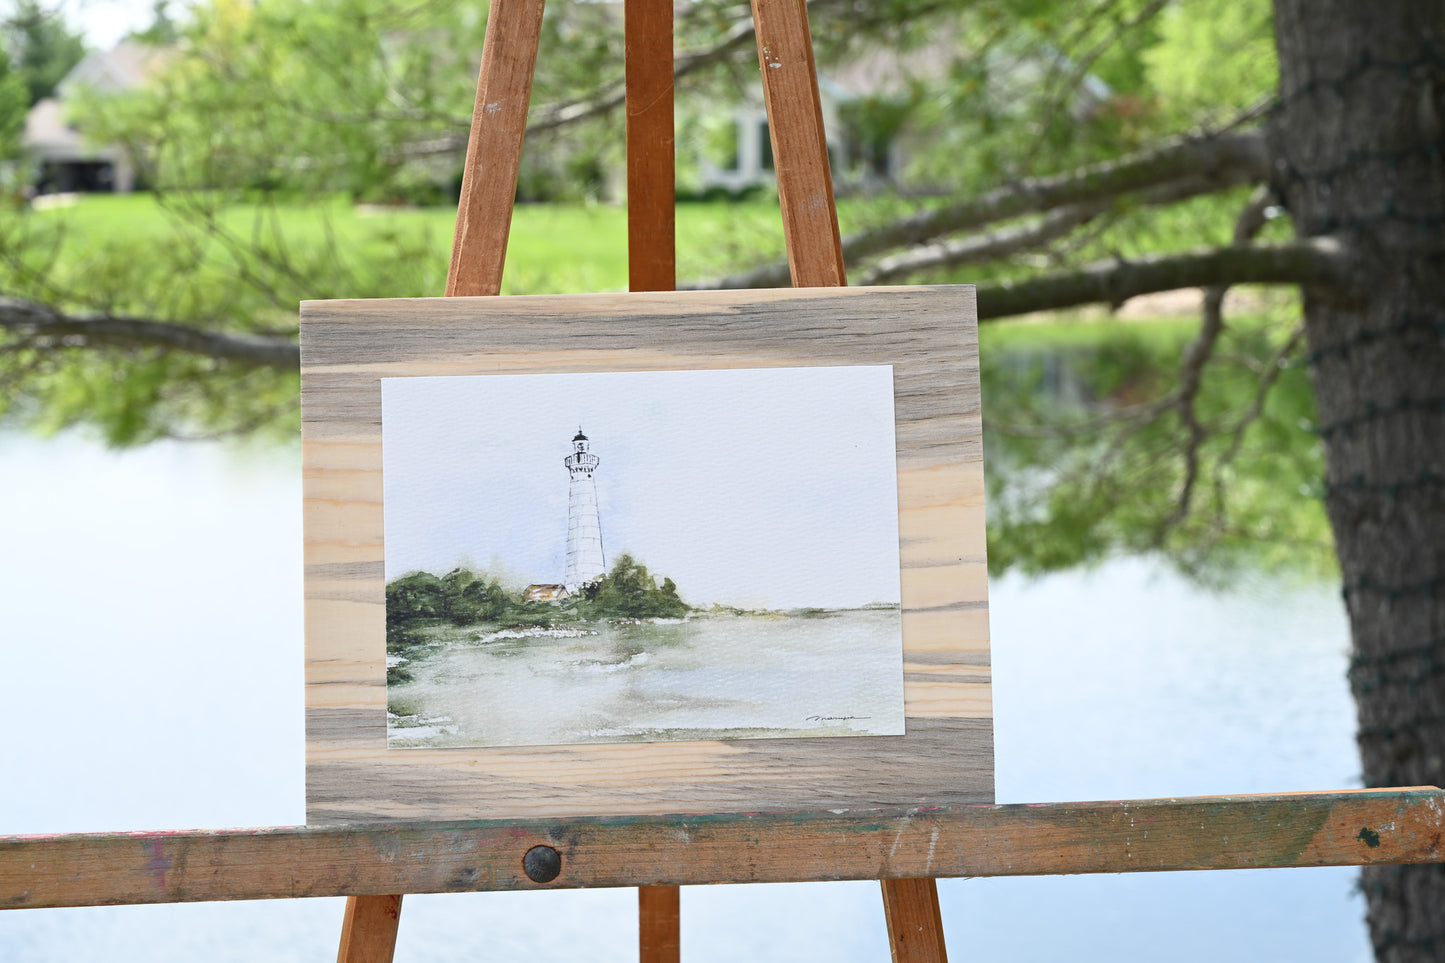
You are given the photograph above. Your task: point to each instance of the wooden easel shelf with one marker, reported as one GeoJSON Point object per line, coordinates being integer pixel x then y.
{"type": "Point", "coordinates": [1143, 835]}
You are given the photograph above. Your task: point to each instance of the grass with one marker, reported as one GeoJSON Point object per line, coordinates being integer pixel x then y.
{"type": "Point", "coordinates": [332, 248]}
{"type": "Point", "coordinates": [553, 248]}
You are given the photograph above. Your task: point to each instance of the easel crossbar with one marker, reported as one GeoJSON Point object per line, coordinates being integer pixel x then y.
{"type": "Point", "coordinates": [1208, 832]}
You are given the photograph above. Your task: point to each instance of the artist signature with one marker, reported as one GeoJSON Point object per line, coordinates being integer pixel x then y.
{"type": "Point", "coordinates": [835, 718]}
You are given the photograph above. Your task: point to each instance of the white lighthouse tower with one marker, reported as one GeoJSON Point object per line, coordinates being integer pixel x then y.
{"type": "Point", "coordinates": [584, 533]}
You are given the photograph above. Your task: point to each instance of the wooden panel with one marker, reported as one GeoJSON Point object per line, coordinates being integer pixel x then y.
{"type": "Point", "coordinates": [499, 122]}
{"type": "Point", "coordinates": [800, 146]}
{"type": "Point", "coordinates": [927, 334]}
{"type": "Point", "coordinates": [368, 930]}
{"type": "Point", "coordinates": [651, 195]}
{"type": "Point", "coordinates": [1249, 832]}
{"type": "Point", "coordinates": [915, 924]}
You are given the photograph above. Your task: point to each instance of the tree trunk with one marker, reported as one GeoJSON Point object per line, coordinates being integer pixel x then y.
{"type": "Point", "coordinates": [1358, 151]}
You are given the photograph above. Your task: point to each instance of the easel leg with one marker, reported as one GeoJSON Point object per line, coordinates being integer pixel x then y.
{"type": "Point", "coordinates": [651, 180]}
{"type": "Point", "coordinates": [815, 259]}
{"type": "Point", "coordinates": [800, 145]}
{"type": "Point", "coordinates": [652, 266]}
{"type": "Point", "coordinates": [499, 122]}
{"type": "Point", "coordinates": [479, 245]}
{"type": "Point", "coordinates": [915, 925]}
{"type": "Point", "coordinates": [368, 932]}
{"type": "Point", "coordinates": [659, 924]}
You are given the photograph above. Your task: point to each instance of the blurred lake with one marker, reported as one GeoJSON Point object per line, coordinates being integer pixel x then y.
{"type": "Point", "coordinates": [152, 679]}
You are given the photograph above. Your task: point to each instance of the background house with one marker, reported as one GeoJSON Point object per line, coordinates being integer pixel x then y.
{"type": "Point", "coordinates": [868, 100]}
{"type": "Point", "coordinates": [63, 158]}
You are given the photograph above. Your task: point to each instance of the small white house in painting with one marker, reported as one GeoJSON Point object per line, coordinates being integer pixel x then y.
{"type": "Point", "coordinates": [545, 593]}
{"type": "Point", "coordinates": [64, 159]}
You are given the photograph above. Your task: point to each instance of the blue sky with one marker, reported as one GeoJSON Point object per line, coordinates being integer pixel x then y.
{"type": "Point", "coordinates": [771, 487]}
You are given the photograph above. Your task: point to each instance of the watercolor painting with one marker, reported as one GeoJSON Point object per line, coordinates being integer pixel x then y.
{"type": "Point", "coordinates": [641, 557]}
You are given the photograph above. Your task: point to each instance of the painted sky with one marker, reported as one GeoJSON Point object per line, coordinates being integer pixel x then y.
{"type": "Point", "coordinates": [770, 487]}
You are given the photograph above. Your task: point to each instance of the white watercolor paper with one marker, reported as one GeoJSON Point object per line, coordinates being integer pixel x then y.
{"type": "Point", "coordinates": [762, 504]}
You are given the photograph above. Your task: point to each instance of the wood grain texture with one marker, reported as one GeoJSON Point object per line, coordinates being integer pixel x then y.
{"type": "Point", "coordinates": [815, 258]}
{"type": "Point", "coordinates": [915, 924]}
{"type": "Point", "coordinates": [652, 266]}
{"type": "Point", "coordinates": [929, 337]}
{"type": "Point", "coordinates": [651, 176]}
{"type": "Point", "coordinates": [368, 931]}
{"type": "Point", "coordinates": [494, 149]}
{"type": "Point", "coordinates": [1211, 832]}
{"type": "Point", "coordinates": [800, 145]}
{"type": "Point", "coordinates": [659, 929]}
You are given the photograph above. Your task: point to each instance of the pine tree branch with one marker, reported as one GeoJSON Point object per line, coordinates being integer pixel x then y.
{"type": "Point", "coordinates": [1229, 159]}
{"type": "Point", "coordinates": [1320, 262]}
{"type": "Point", "coordinates": [1206, 165]}
{"type": "Point", "coordinates": [1191, 374]}
{"type": "Point", "coordinates": [1007, 241]}
{"type": "Point", "coordinates": [737, 41]}
{"type": "Point", "coordinates": [41, 326]}
{"type": "Point", "coordinates": [551, 116]}
{"type": "Point", "coordinates": [979, 248]}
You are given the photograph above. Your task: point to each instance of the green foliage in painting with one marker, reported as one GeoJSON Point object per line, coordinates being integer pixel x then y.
{"type": "Point", "coordinates": [629, 591]}
{"type": "Point", "coordinates": [416, 595]}
{"type": "Point", "coordinates": [472, 599]}
{"type": "Point", "coordinates": [463, 597]}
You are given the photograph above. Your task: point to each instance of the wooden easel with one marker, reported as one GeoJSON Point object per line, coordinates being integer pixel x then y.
{"type": "Point", "coordinates": [815, 259]}
{"type": "Point", "coordinates": [367, 861]}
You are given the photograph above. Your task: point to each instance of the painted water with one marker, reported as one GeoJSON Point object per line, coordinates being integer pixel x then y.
{"type": "Point", "coordinates": [151, 670]}
{"type": "Point", "coordinates": [716, 675]}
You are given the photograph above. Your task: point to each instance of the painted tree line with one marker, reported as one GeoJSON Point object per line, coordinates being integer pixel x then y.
{"type": "Point", "coordinates": [465, 597]}
{"type": "Point", "coordinates": [1295, 144]}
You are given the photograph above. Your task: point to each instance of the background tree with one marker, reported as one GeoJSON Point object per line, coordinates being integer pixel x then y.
{"type": "Point", "coordinates": [1356, 145]}
{"type": "Point", "coordinates": [43, 46]}
{"type": "Point", "coordinates": [14, 102]}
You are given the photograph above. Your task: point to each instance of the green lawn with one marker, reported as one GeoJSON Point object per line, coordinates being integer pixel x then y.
{"type": "Point", "coordinates": [554, 248]}
{"type": "Point", "coordinates": [187, 260]}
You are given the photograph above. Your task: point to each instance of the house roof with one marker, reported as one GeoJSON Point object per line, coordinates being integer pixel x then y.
{"type": "Point", "coordinates": [545, 593]}
{"type": "Point", "coordinates": [883, 69]}
{"type": "Point", "coordinates": [124, 67]}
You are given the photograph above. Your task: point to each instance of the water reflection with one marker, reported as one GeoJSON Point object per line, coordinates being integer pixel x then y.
{"type": "Point", "coordinates": [168, 696]}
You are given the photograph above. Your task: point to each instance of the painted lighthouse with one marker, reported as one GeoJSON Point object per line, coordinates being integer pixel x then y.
{"type": "Point", "coordinates": [585, 563]}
